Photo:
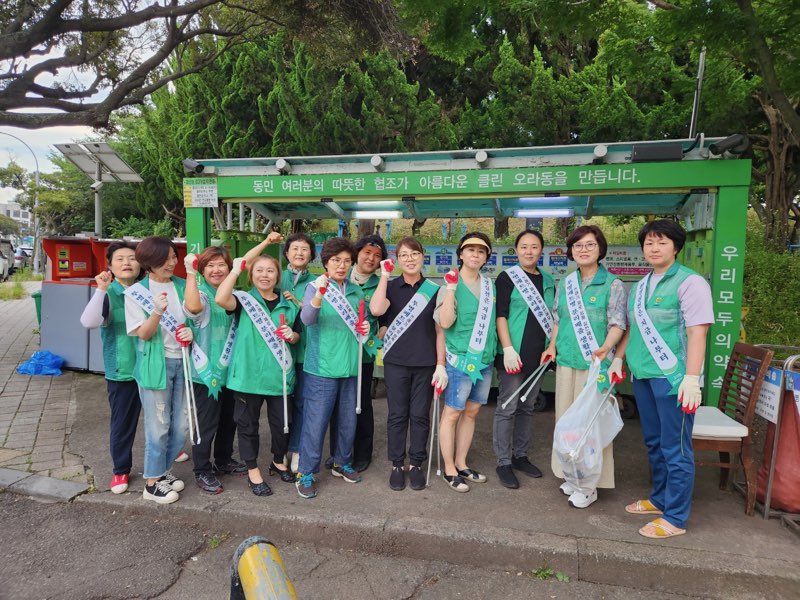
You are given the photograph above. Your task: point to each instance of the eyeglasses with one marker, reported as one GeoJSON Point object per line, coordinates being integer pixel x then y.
{"type": "Point", "coordinates": [587, 245]}
{"type": "Point", "coordinates": [409, 255]}
{"type": "Point", "coordinates": [337, 262]}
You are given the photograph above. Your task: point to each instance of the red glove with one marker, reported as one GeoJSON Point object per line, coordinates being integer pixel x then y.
{"type": "Point", "coordinates": [387, 266]}
{"type": "Point", "coordinates": [179, 333]}
{"type": "Point", "coordinates": [451, 279]}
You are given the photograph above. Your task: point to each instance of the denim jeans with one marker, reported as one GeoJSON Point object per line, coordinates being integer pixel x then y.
{"type": "Point", "coordinates": [667, 432]}
{"type": "Point", "coordinates": [323, 395]}
{"type": "Point", "coordinates": [165, 422]}
{"type": "Point", "coordinates": [296, 430]}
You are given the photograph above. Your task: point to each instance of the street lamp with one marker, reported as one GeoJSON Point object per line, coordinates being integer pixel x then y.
{"type": "Point", "coordinates": [36, 241]}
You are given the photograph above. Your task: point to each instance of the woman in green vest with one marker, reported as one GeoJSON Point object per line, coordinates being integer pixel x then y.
{"type": "Point", "coordinates": [213, 332]}
{"type": "Point", "coordinates": [466, 311]}
{"type": "Point", "coordinates": [670, 312]}
{"type": "Point", "coordinates": [298, 250]}
{"type": "Point", "coordinates": [330, 314]}
{"type": "Point", "coordinates": [106, 310]}
{"type": "Point", "coordinates": [154, 315]}
{"type": "Point", "coordinates": [256, 372]}
{"type": "Point", "coordinates": [522, 335]}
{"type": "Point", "coordinates": [592, 302]}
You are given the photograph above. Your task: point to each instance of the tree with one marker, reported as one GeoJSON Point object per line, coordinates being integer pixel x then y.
{"type": "Point", "coordinates": [8, 226]}
{"type": "Point", "coordinates": [77, 61]}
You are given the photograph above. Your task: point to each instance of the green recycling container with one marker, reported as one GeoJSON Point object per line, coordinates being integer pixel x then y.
{"type": "Point", "coordinates": [37, 298]}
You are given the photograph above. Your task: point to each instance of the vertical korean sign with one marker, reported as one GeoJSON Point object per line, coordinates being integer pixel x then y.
{"type": "Point", "coordinates": [727, 274]}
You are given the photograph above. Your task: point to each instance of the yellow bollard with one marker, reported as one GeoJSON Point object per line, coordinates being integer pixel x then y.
{"type": "Point", "coordinates": [258, 572]}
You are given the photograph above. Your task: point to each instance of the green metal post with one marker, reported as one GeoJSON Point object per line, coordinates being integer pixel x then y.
{"type": "Point", "coordinates": [727, 275]}
{"type": "Point", "coordinates": [198, 229]}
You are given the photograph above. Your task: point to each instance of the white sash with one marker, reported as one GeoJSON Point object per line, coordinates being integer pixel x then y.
{"type": "Point", "coordinates": [265, 327]}
{"type": "Point", "coordinates": [662, 354]}
{"type": "Point", "coordinates": [227, 349]}
{"type": "Point", "coordinates": [532, 298]}
{"type": "Point", "coordinates": [580, 320]}
{"type": "Point", "coordinates": [407, 316]}
{"type": "Point", "coordinates": [144, 299]}
{"type": "Point", "coordinates": [340, 304]}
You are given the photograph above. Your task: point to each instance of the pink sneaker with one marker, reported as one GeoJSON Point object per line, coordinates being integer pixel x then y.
{"type": "Point", "coordinates": [182, 457]}
{"type": "Point", "coordinates": [119, 484]}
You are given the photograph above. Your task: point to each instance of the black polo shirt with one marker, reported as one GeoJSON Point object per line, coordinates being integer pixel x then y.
{"type": "Point", "coordinates": [534, 337]}
{"type": "Point", "coordinates": [417, 346]}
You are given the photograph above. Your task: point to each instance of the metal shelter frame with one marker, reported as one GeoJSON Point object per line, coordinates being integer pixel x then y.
{"type": "Point", "coordinates": [695, 179]}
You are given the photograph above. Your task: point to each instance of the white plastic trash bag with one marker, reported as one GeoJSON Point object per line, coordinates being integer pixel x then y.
{"type": "Point", "coordinates": [584, 430]}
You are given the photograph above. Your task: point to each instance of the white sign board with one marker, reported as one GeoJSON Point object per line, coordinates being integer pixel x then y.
{"type": "Point", "coordinates": [769, 400]}
{"type": "Point", "coordinates": [200, 192]}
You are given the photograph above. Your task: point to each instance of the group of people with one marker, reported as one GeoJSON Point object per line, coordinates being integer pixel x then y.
{"type": "Point", "coordinates": [305, 346]}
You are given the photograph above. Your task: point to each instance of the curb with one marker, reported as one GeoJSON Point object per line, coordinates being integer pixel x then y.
{"type": "Point", "coordinates": [48, 489]}
{"type": "Point", "coordinates": [640, 566]}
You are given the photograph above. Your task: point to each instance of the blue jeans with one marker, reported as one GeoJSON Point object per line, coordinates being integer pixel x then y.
{"type": "Point", "coordinates": [460, 388]}
{"type": "Point", "coordinates": [323, 395]}
{"type": "Point", "coordinates": [296, 431]}
{"type": "Point", "coordinates": [165, 422]}
{"type": "Point", "coordinates": [667, 434]}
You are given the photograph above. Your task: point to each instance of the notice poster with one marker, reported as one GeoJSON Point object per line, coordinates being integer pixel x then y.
{"type": "Point", "coordinates": [200, 192]}
{"type": "Point", "coordinates": [769, 399]}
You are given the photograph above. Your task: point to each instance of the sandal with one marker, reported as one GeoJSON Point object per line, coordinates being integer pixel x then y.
{"type": "Point", "coordinates": [456, 483]}
{"type": "Point", "coordinates": [472, 475]}
{"type": "Point", "coordinates": [659, 529]}
{"type": "Point", "coordinates": [643, 507]}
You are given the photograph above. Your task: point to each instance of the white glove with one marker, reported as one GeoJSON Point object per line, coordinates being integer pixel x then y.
{"type": "Point", "coordinates": [321, 284]}
{"type": "Point", "coordinates": [160, 303]}
{"type": "Point", "coordinates": [387, 266]}
{"type": "Point", "coordinates": [190, 262]}
{"type": "Point", "coordinates": [363, 327]}
{"type": "Point", "coordinates": [615, 371]}
{"type": "Point", "coordinates": [689, 393]}
{"type": "Point", "coordinates": [511, 360]}
{"type": "Point", "coordinates": [439, 380]}
{"type": "Point", "coordinates": [184, 334]}
{"type": "Point", "coordinates": [239, 265]}
{"type": "Point", "coordinates": [451, 279]}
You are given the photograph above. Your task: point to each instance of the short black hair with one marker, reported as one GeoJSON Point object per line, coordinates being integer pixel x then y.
{"type": "Point", "coordinates": [153, 251]}
{"type": "Point", "coordinates": [334, 246]}
{"type": "Point", "coordinates": [300, 237]}
{"type": "Point", "coordinates": [118, 245]}
{"type": "Point", "coordinates": [584, 230]}
{"type": "Point", "coordinates": [532, 232]}
{"type": "Point", "coordinates": [372, 240]}
{"type": "Point", "coordinates": [664, 228]}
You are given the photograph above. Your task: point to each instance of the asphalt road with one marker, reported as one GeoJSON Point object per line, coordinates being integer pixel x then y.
{"type": "Point", "coordinates": [79, 552]}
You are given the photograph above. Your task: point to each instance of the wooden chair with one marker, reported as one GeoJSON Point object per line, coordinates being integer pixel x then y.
{"type": "Point", "coordinates": [727, 429]}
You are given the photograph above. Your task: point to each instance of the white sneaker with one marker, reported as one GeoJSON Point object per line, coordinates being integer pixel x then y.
{"type": "Point", "coordinates": [182, 457]}
{"type": "Point", "coordinates": [160, 492]}
{"type": "Point", "coordinates": [173, 482]}
{"type": "Point", "coordinates": [580, 500]}
{"type": "Point", "coordinates": [568, 488]}
{"type": "Point", "coordinates": [295, 461]}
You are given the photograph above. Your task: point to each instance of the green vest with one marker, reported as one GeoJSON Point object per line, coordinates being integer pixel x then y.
{"type": "Point", "coordinates": [299, 290]}
{"type": "Point", "coordinates": [253, 368]}
{"type": "Point", "coordinates": [150, 371]}
{"type": "Point", "coordinates": [119, 348]}
{"type": "Point", "coordinates": [595, 301]}
{"type": "Point", "coordinates": [332, 349]}
{"type": "Point", "coordinates": [519, 312]}
{"type": "Point", "coordinates": [212, 337]}
{"type": "Point", "coordinates": [457, 337]}
{"type": "Point", "coordinates": [664, 309]}
{"type": "Point", "coordinates": [369, 289]}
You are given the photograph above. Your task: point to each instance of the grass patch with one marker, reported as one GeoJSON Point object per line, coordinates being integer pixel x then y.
{"type": "Point", "coordinates": [544, 573]}
{"type": "Point", "coordinates": [12, 291]}
{"type": "Point", "coordinates": [21, 275]}
{"type": "Point", "coordinates": [215, 540]}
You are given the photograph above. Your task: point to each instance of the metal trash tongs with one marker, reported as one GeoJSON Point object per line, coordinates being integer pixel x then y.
{"type": "Point", "coordinates": [529, 383]}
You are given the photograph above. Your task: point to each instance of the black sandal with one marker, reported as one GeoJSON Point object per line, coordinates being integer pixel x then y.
{"type": "Point", "coordinates": [286, 475]}
{"type": "Point", "coordinates": [456, 483]}
{"type": "Point", "coordinates": [472, 476]}
{"type": "Point", "coordinates": [260, 489]}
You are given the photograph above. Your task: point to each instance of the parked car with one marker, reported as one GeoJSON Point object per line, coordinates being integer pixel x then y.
{"type": "Point", "coordinates": [4, 267]}
{"type": "Point", "coordinates": [23, 258]}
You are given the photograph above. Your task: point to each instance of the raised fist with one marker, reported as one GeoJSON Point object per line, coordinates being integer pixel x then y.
{"type": "Point", "coordinates": [321, 284]}
{"type": "Point", "coordinates": [274, 237]}
{"type": "Point", "coordinates": [160, 303]}
{"type": "Point", "coordinates": [451, 279]}
{"type": "Point", "coordinates": [387, 266]}
{"type": "Point", "coordinates": [104, 280]}
{"type": "Point", "coordinates": [190, 262]}
{"type": "Point", "coordinates": [239, 265]}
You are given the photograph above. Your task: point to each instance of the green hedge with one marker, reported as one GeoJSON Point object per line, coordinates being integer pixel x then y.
{"type": "Point", "coordinates": [771, 291]}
